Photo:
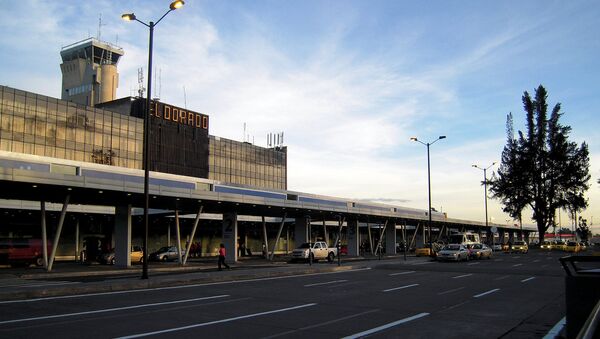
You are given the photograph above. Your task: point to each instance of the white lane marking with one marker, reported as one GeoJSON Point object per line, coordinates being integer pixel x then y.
{"type": "Point", "coordinates": [400, 288]}
{"type": "Point", "coordinates": [319, 325]}
{"type": "Point", "coordinates": [326, 283]}
{"type": "Point", "coordinates": [537, 260]}
{"type": "Point", "coordinates": [174, 287]}
{"type": "Point", "coordinates": [544, 266]}
{"type": "Point", "coordinates": [528, 279]}
{"type": "Point", "coordinates": [452, 290]}
{"type": "Point", "coordinates": [516, 257]}
{"type": "Point", "coordinates": [554, 331]}
{"type": "Point", "coordinates": [503, 277]}
{"type": "Point", "coordinates": [549, 258]}
{"type": "Point", "coordinates": [473, 263]}
{"type": "Point", "coordinates": [216, 321]}
{"type": "Point", "coordinates": [486, 293]}
{"type": "Point", "coordinates": [424, 263]}
{"type": "Point", "coordinates": [110, 309]}
{"type": "Point", "coordinates": [400, 273]}
{"type": "Point", "coordinates": [462, 276]}
{"type": "Point", "coordinates": [58, 283]}
{"type": "Point", "coordinates": [498, 259]}
{"type": "Point", "coordinates": [517, 265]}
{"type": "Point", "coordinates": [386, 326]}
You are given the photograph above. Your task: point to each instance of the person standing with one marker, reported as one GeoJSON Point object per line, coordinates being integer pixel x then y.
{"type": "Point", "coordinates": [222, 254]}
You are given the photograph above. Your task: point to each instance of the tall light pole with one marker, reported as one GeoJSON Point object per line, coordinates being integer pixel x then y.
{"type": "Point", "coordinates": [428, 181]}
{"type": "Point", "coordinates": [131, 17]}
{"type": "Point", "coordinates": [485, 188]}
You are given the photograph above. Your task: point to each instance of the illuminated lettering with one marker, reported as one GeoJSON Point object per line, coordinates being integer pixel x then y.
{"type": "Point", "coordinates": [182, 116]}
{"type": "Point", "coordinates": [167, 112]}
{"type": "Point", "coordinates": [190, 119]}
{"type": "Point", "coordinates": [179, 115]}
{"type": "Point", "coordinates": [175, 114]}
{"type": "Point", "coordinates": [205, 122]}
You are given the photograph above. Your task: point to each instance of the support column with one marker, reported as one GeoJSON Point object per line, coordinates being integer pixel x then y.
{"type": "Point", "coordinates": [490, 236]}
{"type": "Point", "coordinates": [526, 236]}
{"type": "Point", "coordinates": [265, 245]}
{"type": "Point", "coordinates": [279, 235]}
{"type": "Point", "coordinates": [189, 246]}
{"type": "Point", "coordinates": [353, 237]}
{"type": "Point", "coordinates": [300, 231]}
{"type": "Point", "coordinates": [178, 230]}
{"type": "Point", "coordinates": [230, 231]}
{"type": "Point", "coordinates": [44, 234]}
{"type": "Point", "coordinates": [61, 221]}
{"type": "Point", "coordinates": [511, 237]}
{"type": "Point", "coordinates": [370, 238]}
{"type": "Point", "coordinates": [390, 239]}
{"type": "Point", "coordinates": [123, 236]}
{"type": "Point", "coordinates": [77, 240]}
{"type": "Point", "coordinates": [325, 233]}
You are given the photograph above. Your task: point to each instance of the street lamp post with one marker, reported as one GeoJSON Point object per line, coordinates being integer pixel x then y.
{"type": "Point", "coordinates": [131, 17]}
{"type": "Point", "coordinates": [485, 188]}
{"type": "Point", "coordinates": [428, 182]}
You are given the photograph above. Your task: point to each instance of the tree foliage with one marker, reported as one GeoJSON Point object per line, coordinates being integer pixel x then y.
{"type": "Point", "coordinates": [541, 168]}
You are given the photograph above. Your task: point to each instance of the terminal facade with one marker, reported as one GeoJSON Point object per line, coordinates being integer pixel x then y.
{"type": "Point", "coordinates": [93, 141]}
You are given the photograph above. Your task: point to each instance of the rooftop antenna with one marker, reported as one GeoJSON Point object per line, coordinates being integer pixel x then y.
{"type": "Point", "coordinates": [141, 88]}
{"type": "Point", "coordinates": [157, 97]}
{"type": "Point", "coordinates": [184, 98]}
{"type": "Point", "coordinates": [100, 26]}
{"type": "Point", "coordinates": [244, 137]}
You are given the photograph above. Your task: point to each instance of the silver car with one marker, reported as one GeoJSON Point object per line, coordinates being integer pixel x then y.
{"type": "Point", "coordinates": [453, 252]}
{"type": "Point", "coordinates": [481, 251]}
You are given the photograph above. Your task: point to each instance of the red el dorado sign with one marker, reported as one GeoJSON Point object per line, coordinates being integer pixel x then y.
{"type": "Point", "coordinates": [179, 115]}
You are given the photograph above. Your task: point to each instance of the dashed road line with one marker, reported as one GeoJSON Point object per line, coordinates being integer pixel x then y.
{"type": "Point", "coordinates": [424, 263]}
{"type": "Point", "coordinates": [175, 329]}
{"type": "Point", "coordinates": [400, 288]}
{"type": "Point", "coordinates": [462, 276]}
{"type": "Point", "coordinates": [502, 277]}
{"type": "Point", "coordinates": [473, 263]}
{"type": "Point", "coordinates": [451, 291]}
{"type": "Point", "coordinates": [401, 273]}
{"type": "Point", "coordinates": [528, 279]}
{"type": "Point", "coordinates": [517, 265]}
{"type": "Point", "coordinates": [386, 326]}
{"type": "Point", "coordinates": [326, 283]}
{"type": "Point", "coordinates": [486, 293]}
{"type": "Point", "coordinates": [110, 309]}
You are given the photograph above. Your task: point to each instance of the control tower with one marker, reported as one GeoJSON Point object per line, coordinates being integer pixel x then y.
{"type": "Point", "coordinates": [89, 71]}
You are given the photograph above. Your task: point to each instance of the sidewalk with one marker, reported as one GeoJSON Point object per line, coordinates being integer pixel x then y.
{"type": "Point", "coordinates": [75, 278]}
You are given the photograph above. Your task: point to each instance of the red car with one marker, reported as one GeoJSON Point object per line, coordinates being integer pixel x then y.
{"type": "Point", "coordinates": [22, 252]}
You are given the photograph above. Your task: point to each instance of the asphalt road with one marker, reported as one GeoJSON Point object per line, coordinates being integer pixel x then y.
{"type": "Point", "coordinates": [509, 296]}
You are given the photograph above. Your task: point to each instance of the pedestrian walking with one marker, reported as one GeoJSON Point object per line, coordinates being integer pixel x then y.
{"type": "Point", "coordinates": [222, 254]}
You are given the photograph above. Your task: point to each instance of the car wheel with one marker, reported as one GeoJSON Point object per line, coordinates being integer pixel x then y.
{"type": "Point", "coordinates": [112, 261]}
{"type": "Point", "coordinates": [39, 261]}
{"type": "Point", "coordinates": [164, 258]}
{"type": "Point", "coordinates": [330, 257]}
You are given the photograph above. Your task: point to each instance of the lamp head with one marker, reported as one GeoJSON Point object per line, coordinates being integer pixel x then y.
{"type": "Point", "coordinates": [128, 16]}
{"type": "Point", "coordinates": [413, 139]}
{"type": "Point", "coordinates": [176, 4]}
{"type": "Point", "coordinates": [442, 137]}
{"type": "Point", "coordinates": [474, 166]}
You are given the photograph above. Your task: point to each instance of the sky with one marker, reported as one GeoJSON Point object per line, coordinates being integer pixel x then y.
{"type": "Point", "coordinates": [348, 82]}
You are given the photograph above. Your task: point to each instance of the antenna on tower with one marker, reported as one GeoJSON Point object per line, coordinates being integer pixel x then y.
{"type": "Point", "coordinates": [100, 26]}
{"type": "Point", "coordinates": [184, 98]}
{"type": "Point", "coordinates": [141, 88]}
{"type": "Point", "coordinates": [157, 97]}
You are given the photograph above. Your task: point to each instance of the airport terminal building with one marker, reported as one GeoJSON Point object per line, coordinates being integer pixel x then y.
{"type": "Point", "coordinates": [86, 149]}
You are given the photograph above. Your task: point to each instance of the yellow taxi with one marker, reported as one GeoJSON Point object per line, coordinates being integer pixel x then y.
{"type": "Point", "coordinates": [423, 252]}
{"type": "Point", "coordinates": [520, 247]}
{"type": "Point", "coordinates": [546, 245]}
{"type": "Point", "coordinates": [558, 245]}
{"type": "Point", "coordinates": [572, 246]}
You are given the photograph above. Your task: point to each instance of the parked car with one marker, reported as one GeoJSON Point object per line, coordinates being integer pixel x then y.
{"type": "Point", "coordinates": [572, 246]}
{"type": "Point", "coordinates": [136, 256]}
{"type": "Point", "coordinates": [558, 245]}
{"type": "Point", "coordinates": [22, 251]}
{"type": "Point", "coordinates": [317, 250]}
{"type": "Point", "coordinates": [546, 245]}
{"type": "Point", "coordinates": [453, 252]}
{"type": "Point", "coordinates": [166, 254]}
{"type": "Point", "coordinates": [497, 247]}
{"type": "Point", "coordinates": [519, 246]}
{"type": "Point", "coordinates": [481, 251]}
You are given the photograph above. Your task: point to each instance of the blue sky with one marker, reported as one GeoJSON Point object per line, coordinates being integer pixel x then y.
{"type": "Point", "coordinates": [348, 82]}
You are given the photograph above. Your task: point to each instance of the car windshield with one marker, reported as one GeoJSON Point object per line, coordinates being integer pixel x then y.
{"type": "Point", "coordinates": [571, 243]}
{"type": "Point", "coordinates": [305, 245]}
{"type": "Point", "coordinates": [452, 248]}
{"type": "Point", "coordinates": [519, 243]}
{"type": "Point", "coordinates": [477, 246]}
{"type": "Point", "coordinates": [163, 249]}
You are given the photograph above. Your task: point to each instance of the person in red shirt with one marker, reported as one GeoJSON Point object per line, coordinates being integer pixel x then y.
{"type": "Point", "coordinates": [222, 253]}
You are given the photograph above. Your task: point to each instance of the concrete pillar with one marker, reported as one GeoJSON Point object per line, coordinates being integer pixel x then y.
{"type": "Point", "coordinates": [123, 236]}
{"type": "Point", "coordinates": [353, 237]}
{"type": "Point", "coordinates": [230, 231]}
{"type": "Point", "coordinates": [511, 237]}
{"type": "Point", "coordinates": [489, 236]}
{"type": "Point", "coordinates": [526, 235]}
{"type": "Point", "coordinates": [390, 238]}
{"type": "Point", "coordinates": [501, 236]}
{"type": "Point", "coordinates": [300, 231]}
